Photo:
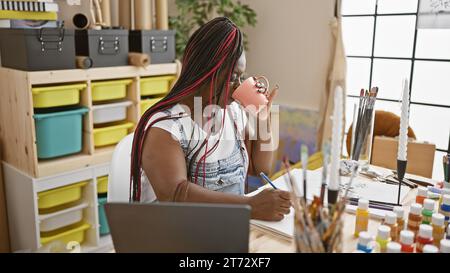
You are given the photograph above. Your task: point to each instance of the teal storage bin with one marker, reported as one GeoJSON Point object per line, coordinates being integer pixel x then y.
{"type": "Point", "coordinates": [59, 133]}
{"type": "Point", "coordinates": [104, 228]}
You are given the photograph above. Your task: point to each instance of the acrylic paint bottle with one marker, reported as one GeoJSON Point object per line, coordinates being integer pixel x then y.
{"type": "Point", "coordinates": [415, 218]}
{"type": "Point", "coordinates": [393, 247]}
{"type": "Point", "coordinates": [365, 242]}
{"type": "Point", "coordinates": [362, 216]}
{"type": "Point", "coordinates": [427, 211]}
{"type": "Point", "coordinates": [445, 246]}
{"type": "Point", "coordinates": [430, 249]}
{"type": "Point", "coordinates": [383, 237]}
{"type": "Point", "coordinates": [407, 241]}
{"type": "Point", "coordinates": [444, 192]}
{"type": "Point", "coordinates": [400, 212]}
{"type": "Point", "coordinates": [438, 224]}
{"type": "Point", "coordinates": [434, 193]}
{"type": "Point", "coordinates": [445, 208]}
{"type": "Point", "coordinates": [425, 237]}
{"type": "Point", "coordinates": [422, 194]}
{"type": "Point", "coordinates": [390, 220]}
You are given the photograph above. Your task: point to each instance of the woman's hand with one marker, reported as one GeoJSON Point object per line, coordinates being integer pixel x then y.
{"type": "Point", "coordinates": [264, 114]}
{"type": "Point", "coordinates": [270, 205]}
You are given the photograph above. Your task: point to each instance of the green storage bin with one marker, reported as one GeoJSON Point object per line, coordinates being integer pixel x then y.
{"type": "Point", "coordinates": [104, 228]}
{"type": "Point", "coordinates": [59, 133]}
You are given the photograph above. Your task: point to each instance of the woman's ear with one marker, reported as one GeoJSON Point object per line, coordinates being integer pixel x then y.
{"type": "Point", "coordinates": [241, 65]}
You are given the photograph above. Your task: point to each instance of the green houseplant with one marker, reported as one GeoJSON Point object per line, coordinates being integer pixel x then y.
{"type": "Point", "coordinates": [194, 13]}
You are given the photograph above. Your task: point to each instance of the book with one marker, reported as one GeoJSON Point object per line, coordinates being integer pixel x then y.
{"type": "Point", "coordinates": [29, 6]}
{"type": "Point", "coordinates": [28, 15]}
{"type": "Point", "coordinates": [29, 24]}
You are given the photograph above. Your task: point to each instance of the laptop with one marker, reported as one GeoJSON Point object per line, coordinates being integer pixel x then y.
{"type": "Point", "coordinates": [178, 228]}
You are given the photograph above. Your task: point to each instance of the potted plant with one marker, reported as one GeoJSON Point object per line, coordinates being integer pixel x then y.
{"type": "Point", "coordinates": [194, 13]}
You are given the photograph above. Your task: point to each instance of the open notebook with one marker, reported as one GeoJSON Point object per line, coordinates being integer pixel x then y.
{"type": "Point", "coordinates": [362, 188]}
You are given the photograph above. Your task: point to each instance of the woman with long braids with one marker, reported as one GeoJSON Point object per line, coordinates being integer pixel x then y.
{"type": "Point", "coordinates": [174, 158]}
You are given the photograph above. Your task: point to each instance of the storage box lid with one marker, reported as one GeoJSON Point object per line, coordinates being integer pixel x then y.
{"type": "Point", "coordinates": [79, 111]}
{"type": "Point", "coordinates": [112, 105]}
{"type": "Point", "coordinates": [152, 32]}
{"type": "Point", "coordinates": [103, 32]}
{"type": "Point", "coordinates": [37, 32]}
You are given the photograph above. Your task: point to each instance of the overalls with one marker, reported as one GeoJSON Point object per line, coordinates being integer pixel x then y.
{"type": "Point", "coordinates": [227, 175]}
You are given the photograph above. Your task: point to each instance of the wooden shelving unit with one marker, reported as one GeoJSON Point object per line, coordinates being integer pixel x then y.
{"type": "Point", "coordinates": [26, 176]}
{"type": "Point", "coordinates": [17, 128]}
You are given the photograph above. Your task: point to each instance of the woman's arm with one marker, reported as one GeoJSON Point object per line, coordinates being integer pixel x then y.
{"type": "Point", "coordinates": [164, 164]}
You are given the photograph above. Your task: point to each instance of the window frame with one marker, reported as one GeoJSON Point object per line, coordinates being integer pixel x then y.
{"type": "Point", "coordinates": [412, 59]}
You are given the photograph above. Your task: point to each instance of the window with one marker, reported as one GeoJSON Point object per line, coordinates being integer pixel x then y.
{"type": "Point", "coordinates": [383, 46]}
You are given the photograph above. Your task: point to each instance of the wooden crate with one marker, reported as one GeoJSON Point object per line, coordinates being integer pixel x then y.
{"type": "Point", "coordinates": [420, 155]}
{"type": "Point", "coordinates": [17, 127]}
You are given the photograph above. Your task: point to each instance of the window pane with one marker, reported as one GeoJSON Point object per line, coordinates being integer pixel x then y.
{"type": "Point", "coordinates": [358, 75]}
{"type": "Point", "coordinates": [431, 124]}
{"type": "Point", "coordinates": [433, 43]}
{"type": "Point", "coordinates": [438, 169]}
{"type": "Point", "coordinates": [394, 36]}
{"type": "Point", "coordinates": [397, 6]}
{"type": "Point", "coordinates": [431, 83]}
{"type": "Point", "coordinates": [357, 34]}
{"type": "Point", "coordinates": [358, 7]}
{"type": "Point", "coordinates": [388, 75]}
{"type": "Point", "coordinates": [389, 106]}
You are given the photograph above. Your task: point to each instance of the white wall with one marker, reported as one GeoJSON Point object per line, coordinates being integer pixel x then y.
{"type": "Point", "coordinates": [291, 45]}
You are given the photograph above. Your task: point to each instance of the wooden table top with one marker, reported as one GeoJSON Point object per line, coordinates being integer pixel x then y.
{"type": "Point", "coordinates": [265, 242]}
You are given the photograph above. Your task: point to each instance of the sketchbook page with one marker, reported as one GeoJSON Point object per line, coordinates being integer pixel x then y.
{"type": "Point", "coordinates": [369, 189]}
{"type": "Point", "coordinates": [284, 227]}
{"type": "Point", "coordinates": [374, 213]}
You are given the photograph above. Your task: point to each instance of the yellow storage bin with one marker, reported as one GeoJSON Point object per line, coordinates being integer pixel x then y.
{"type": "Point", "coordinates": [54, 96]}
{"type": "Point", "coordinates": [102, 184]}
{"type": "Point", "coordinates": [146, 104]}
{"type": "Point", "coordinates": [111, 135]}
{"type": "Point", "coordinates": [109, 90]}
{"type": "Point", "coordinates": [74, 233]}
{"type": "Point", "coordinates": [156, 85]}
{"type": "Point", "coordinates": [60, 196]}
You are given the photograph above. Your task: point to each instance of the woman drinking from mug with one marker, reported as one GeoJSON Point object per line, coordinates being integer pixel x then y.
{"type": "Point", "coordinates": [175, 158]}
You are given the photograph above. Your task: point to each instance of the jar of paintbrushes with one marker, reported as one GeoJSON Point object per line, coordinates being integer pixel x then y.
{"type": "Point", "coordinates": [363, 127]}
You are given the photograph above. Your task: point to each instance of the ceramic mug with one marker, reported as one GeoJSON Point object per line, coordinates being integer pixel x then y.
{"type": "Point", "coordinates": [252, 93]}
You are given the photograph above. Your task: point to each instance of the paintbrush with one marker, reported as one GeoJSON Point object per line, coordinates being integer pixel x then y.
{"type": "Point", "coordinates": [304, 158]}
{"type": "Point", "coordinates": [326, 157]}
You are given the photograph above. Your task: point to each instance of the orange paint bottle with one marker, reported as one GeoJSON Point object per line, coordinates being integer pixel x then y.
{"type": "Point", "coordinates": [422, 194]}
{"type": "Point", "coordinates": [390, 220]}
{"type": "Point", "coordinates": [415, 218]}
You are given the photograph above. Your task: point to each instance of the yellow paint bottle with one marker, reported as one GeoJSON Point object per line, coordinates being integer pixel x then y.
{"type": "Point", "coordinates": [362, 216]}
{"type": "Point", "coordinates": [383, 237]}
{"type": "Point", "coordinates": [438, 224]}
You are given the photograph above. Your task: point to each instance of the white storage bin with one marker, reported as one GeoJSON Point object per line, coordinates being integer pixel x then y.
{"type": "Point", "coordinates": [59, 219]}
{"type": "Point", "coordinates": [110, 112]}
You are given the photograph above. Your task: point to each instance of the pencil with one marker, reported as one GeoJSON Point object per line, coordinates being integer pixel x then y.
{"type": "Point", "coordinates": [267, 179]}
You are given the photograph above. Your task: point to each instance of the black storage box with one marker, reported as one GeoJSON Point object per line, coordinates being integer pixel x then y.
{"type": "Point", "coordinates": [159, 44]}
{"type": "Point", "coordinates": [37, 49]}
{"type": "Point", "coordinates": [106, 47]}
